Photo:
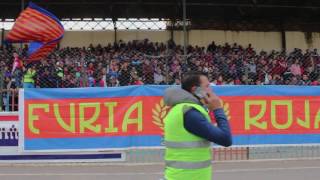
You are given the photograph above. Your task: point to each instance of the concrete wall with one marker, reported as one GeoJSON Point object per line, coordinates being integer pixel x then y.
{"type": "Point", "coordinates": [260, 40]}
{"type": "Point", "coordinates": [300, 40]}
{"type": "Point", "coordinates": [84, 38]}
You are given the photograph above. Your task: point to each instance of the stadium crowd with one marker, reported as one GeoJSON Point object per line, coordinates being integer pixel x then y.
{"type": "Point", "coordinates": [145, 62]}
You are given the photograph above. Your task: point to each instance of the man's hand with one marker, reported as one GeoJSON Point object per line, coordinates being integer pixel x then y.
{"type": "Point", "coordinates": [212, 101]}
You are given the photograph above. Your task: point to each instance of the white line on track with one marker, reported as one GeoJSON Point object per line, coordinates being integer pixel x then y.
{"type": "Point", "coordinates": [157, 173]}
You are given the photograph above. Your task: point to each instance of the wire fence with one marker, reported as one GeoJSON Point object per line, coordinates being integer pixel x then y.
{"type": "Point", "coordinates": [144, 62]}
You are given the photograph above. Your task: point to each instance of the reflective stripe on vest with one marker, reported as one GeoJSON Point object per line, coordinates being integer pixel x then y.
{"type": "Point", "coordinates": [60, 72]}
{"type": "Point", "coordinates": [188, 165]}
{"type": "Point", "coordinates": [190, 144]}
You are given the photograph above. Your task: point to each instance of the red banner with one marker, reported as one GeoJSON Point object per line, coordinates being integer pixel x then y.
{"type": "Point", "coordinates": [104, 118]}
{"type": "Point", "coordinates": [144, 116]}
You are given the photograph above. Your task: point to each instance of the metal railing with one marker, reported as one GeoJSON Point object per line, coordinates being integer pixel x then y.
{"type": "Point", "coordinates": [9, 100]}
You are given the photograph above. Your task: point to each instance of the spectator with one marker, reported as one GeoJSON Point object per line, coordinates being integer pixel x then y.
{"type": "Point", "coordinates": [155, 63]}
{"type": "Point", "coordinates": [237, 81]}
{"type": "Point", "coordinates": [295, 68]}
{"type": "Point", "coordinates": [113, 71]}
{"type": "Point", "coordinates": [315, 83]}
{"type": "Point", "coordinates": [113, 82]}
{"type": "Point", "coordinates": [124, 75]}
{"type": "Point", "coordinates": [46, 80]}
{"type": "Point", "coordinates": [136, 79]}
{"type": "Point", "coordinates": [282, 66]}
{"type": "Point", "coordinates": [252, 68]}
{"type": "Point", "coordinates": [103, 75]}
{"type": "Point", "coordinates": [91, 81]}
{"type": "Point", "coordinates": [17, 70]}
{"type": "Point", "coordinates": [305, 80]}
{"type": "Point", "coordinates": [148, 73]}
{"type": "Point", "coordinates": [220, 80]}
{"type": "Point", "coordinates": [258, 82]}
{"type": "Point", "coordinates": [68, 81]}
{"type": "Point", "coordinates": [29, 77]}
{"type": "Point", "coordinates": [100, 81]}
{"type": "Point", "coordinates": [158, 77]}
{"type": "Point", "coordinates": [83, 80]}
{"type": "Point", "coordinates": [177, 81]}
{"type": "Point", "coordinates": [278, 80]}
{"type": "Point", "coordinates": [268, 80]}
{"type": "Point", "coordinates": [7, 73]}
{"type": "Point", "coordinates": [59, 73]}
{"type": "Point", "coordinates": [295, 80]}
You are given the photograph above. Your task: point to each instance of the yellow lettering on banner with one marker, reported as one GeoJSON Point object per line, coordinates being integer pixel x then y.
{"type": "Point", "coordinates": [62, 123]}
{"type": "Point", "coordinates": [32, 117]}
{"type": "Point", "coordinates": [305, 123]}
{"type": "Point", "coordinates": [317, 120]}
{"type": "Point", "coordinates": [138, 120]}
{"type": "Point", "coordinates": [111, 128]}
{"type": "Point", "coordinates": [87, 123]}
{"type": "Point", "coordinates": [253, 121]}
{"type": "Point", "coordinates": [274, 104]}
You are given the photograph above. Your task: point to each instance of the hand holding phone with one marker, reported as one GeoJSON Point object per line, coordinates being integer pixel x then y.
{"type": "Point", "coordinates": [200, 93]}
{"type": "Point", "coordinates": [208, 98]}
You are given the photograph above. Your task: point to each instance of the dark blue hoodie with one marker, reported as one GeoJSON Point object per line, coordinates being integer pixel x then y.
{"type": "Point", "coordinates": [196, 123]}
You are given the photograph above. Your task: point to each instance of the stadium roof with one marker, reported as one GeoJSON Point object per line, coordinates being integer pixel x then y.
{"type": "Point", "coordinates": [264, 15]}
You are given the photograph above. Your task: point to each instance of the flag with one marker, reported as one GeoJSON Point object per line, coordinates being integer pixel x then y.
{"type": "Point", "coordinates": [38, 27]}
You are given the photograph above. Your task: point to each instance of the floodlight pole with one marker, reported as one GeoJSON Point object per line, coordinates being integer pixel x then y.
{"type": "Point", "coordinates": [184, 16]}
{"type": "Point", "coordinates": [2, 35]}
{"type": "Point", "coordinates": [22, 5]}
{"type": "Point", "coordinates": [114, 20]}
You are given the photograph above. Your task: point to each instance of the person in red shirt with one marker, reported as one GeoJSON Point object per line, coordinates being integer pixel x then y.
{"type": "Point", "coordinates": [314, 80]}
{"type": "Point", "coordinates": [17, 70]}
{"type": "Point", "coordinates": [220, 80]}
{"type": "Point", "coordinates": [136, 80]}
{"type": "Point", "coordinates": [315, 83]}
{"type": "Point", "coordinates": [237, 81]}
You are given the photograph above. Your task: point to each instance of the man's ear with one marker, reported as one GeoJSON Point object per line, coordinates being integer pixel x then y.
{"type": "Point", "coordinates": [193, 89]}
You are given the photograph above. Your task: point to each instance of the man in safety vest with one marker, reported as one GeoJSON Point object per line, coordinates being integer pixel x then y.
{"type": "Point", "coordinates": [188, 131]}
{"type": "Point", "coordinates": [59, 73]}
{"type": "Point", "coordinates": [29, 76]}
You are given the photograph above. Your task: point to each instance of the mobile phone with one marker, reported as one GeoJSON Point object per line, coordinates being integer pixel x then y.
{"type": "Point", "coordinates": [200, 93]}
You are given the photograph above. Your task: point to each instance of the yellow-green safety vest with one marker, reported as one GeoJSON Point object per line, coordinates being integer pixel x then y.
{"type": "Point", "coordinates": [60, 72]}
{"type": "Point", "coordinates": [187, 156]}
{"type": "Point", "coordinates": [28, 76]}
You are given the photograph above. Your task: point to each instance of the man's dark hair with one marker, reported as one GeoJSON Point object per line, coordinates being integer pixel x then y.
{"type": "Point", "coordinates": [191, 79]}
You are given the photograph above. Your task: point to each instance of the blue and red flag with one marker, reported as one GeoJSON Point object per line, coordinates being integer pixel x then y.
{"type": "Point", "coordinates": [38, 27]}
